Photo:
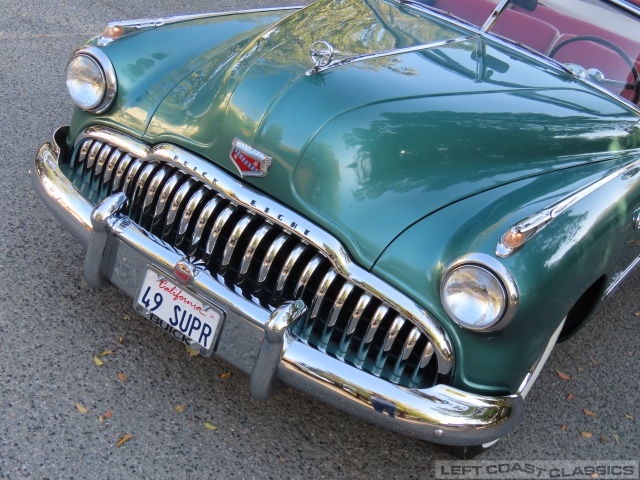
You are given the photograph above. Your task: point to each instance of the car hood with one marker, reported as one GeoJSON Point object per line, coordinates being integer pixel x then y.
{"type": "Point", "coordinates": [370, 147]}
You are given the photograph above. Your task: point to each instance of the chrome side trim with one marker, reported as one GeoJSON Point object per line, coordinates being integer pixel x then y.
{"type": "Point", "coordinates": [493, 18]}
{"type": "Point", "coordinates": [533, 374]}
{"type": "Point", "coordinates": [109, 75]}
{"type": "Point", "coordinates": [439, 414]}
{"type": "Point", "coordinates": [630, 8]}
{"type": "Point", "coordinates": [128, 27]}
{"type": "Point", "coordinates": [620, 277]}
{"type": "Point", "coordinates": [228, 187]}
{"type": "Point", "coordinates": [386, 53]}
{"type": "Point", "coordinates": [530, 226]}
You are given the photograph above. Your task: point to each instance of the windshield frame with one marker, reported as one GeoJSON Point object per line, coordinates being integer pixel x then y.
{"type": "Point", "coordinates": [485, 31]}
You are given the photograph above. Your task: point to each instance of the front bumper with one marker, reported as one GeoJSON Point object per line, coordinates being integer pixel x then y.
{"type": "Point", "coordinates": [258, 341]}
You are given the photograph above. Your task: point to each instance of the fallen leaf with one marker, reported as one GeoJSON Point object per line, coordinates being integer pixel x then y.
{"type": "Point", "coordinates": [580, 369]}
{"type": "Point", "coordinates": [603, 439]}
{"type": "Point", "coordinates": [124, 438]}
{"type": "Point", "coordinates": [628, 417]}
{"type": "Point", "coordinates": [588, 413]}
{"type": "Point", "coordinates": [226, 376]}
{"type": "Point", "coordinates": [593, 360]}
{"type": "Point", "coordinates": [106, 352]}
{"type": "Point", "coordinates": [281, 458]}
{"type": "Point", "coordinates": [616, 438]}
{"type": "Point", "coordinates": [121, 341]}
{"type": "Point", "coordinates": [192, 352]}
{"type": "Point", "coordinates": [637, 314]}
{"type": "Point", "coordinates": [126, 317]}
{"type": "Point", "coordinates": [108, 414]}
{"type": "Point", "coordinates": [563, 376]}
{"type": "Point", "coordinates": [209, 426]}
{"type": "Point", "coordinates": [586, 434]}
{"type": "Point", "coordinates": [570, 396]}
{"type": "Point", "coordinates": [180, 408]}
{"type": "Point", "coordinates": [81, 408]}
{"type": "Point", "coordinates": [564, 427]}
{"type": "Point", "coordinates": [123, 377]}
{"type": "Point", "coordinates": [100, 418]}
{"type": "Point", "coordinates": [98, 361]}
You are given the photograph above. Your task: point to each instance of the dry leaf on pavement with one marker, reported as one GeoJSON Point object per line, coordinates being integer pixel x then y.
{"type": "Point", "coordinates": [106, 352]}
{"type": "Point", "coordinates": [563, 376]}
{"type": "Point", "coordinates": [124, 438]}
{"type": "Point", "coordinates": [108, 414]}
{"type": "Point", "coordinates": [180, 408]}
{"type": "Point", "coordinates": [586, 434]}
{"type": "Point", "coordinates": [588, 413]}
{"type": "Point", "coordinates": [628, 417]}
{"type": "Point", "coordinates": [210, 426]}
{"type": "Point", "coordinates": [192, 352]}
{"type": "Point", "coordinates": [226, 376]}
{"type": "Point", "coordinates": [570, 396]}
{"type": "Point", "coordinates": [98, 361]}
{"type": "Point", "coordinates": [123, 377]}
{"type": "Point", "coordinates": [81, 408]}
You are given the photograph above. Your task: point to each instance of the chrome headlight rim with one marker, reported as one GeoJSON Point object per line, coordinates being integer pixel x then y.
{"type": "Point", "coordinates": [494, 267]}
{"type": "Point", "coordinates": [111, 82]}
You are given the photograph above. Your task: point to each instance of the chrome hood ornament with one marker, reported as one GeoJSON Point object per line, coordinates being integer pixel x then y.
{"type": "Point", "coordinates": [321, 55]}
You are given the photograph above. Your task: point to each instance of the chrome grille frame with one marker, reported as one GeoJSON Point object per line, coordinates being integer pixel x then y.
{"type": "Point", "coordinates": [192, 191]}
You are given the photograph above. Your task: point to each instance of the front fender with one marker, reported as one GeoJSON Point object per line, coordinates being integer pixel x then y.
{"type": "Point", "coordinates": [595, 237]}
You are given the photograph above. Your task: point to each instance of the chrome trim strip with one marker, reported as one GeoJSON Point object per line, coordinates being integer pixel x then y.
{"type": "Point", "coordinates": [410, 344]}
{"type": "Point", "coordinates": [493, 18]}
{"type": "Point", "coordinates": [93, 153]}
{"type": "Point", "coordinates": [533, 374]}
{"type": "Point", "coordinates": [102, 158]}
{"type": "Point", "coordinates": [192, 204]}
{"type": "Point", "coordinates": [157, 179]}
{"type": "Point", "coordinates": [111, 164]}
{"type": "Point", "coordinates": [503, 274]}
{"type": "Point", "coordinates": [288, 265]}
{"type": "Point", "coordinates": [427, 354]}
{"type": "Point", "coordinates": [133, 26]}
{"type": "Point", "coordinates": [110, 77]}
{"type": "Point", "coordinates": [216, 229]}
{"type": "Point", "coordinates": [386, 53]}
{"type": "Point", "coordinates": [393, 333]}
{"type": "Point", "coordinates": [227, 186]}
{"type": "Point", "coordinates": [328, 279]}
{"type": "Point", "coordinates": [274, 249]}
{"type": "Point", "coordinates": [165, 194]}
{"type": "Point", "coordinates": [536, 222]}
{"type": "Point", "coordinates": [375, 323]}
{"type": "Point", "coordinates": [202, 220]}
{"type": "Point", "coordinates": [306, 275]}
{"type": "Point", "coordinates": [619, 278]}
{"type": "Point", "coordinates": [439, 414]}
{"type": "Point", "coordinates": [178, 198]}
{"type": "Point", "coordinates": [142, 180]}
{"type": "Point", "coordinates": [123, 165]}
{"type": "Point", "coordinates": [132, 171]}
{"type": "Point", "coordinates": [237, 232]}
{"type": "Point", "coordinates": [362, 304]}
{"type": "Point", "coordinates": [338, 303]}
{"type": "Point", "coordinates": [252, 247]}
{"type": "Point", "coordinates": [630, 8]}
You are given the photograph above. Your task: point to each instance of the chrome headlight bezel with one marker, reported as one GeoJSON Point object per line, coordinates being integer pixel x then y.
{"type": "Point", "coordinates": [489, 266]}
{"type": "Point", "coordinates": [110, 88]}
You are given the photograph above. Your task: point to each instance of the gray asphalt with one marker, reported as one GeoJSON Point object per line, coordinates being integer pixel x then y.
{"type": "Point", "coordinates": [52, 324]}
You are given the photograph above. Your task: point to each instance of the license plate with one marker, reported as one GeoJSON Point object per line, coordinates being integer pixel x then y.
{"type": "Point", "coordinates": [180, 313]}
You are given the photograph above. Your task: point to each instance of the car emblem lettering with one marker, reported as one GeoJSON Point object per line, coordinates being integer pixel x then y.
{"type": "Point", "coordinates": [249, 161]}
{"type": "Point", "coordinates": [184, 272]}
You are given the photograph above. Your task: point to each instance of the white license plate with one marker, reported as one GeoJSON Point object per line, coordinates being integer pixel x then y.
{"type": "Point", "coordinates": [181, 314]}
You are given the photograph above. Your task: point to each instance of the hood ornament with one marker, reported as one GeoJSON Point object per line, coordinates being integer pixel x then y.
{"type": "Point", "coordinates": [249, 161]}
{"type": "Point", "coordinates": [321, 55]}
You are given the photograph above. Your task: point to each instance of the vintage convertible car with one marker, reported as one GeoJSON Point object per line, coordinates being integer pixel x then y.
{"type": "Point", "coordinates": [397, 207]}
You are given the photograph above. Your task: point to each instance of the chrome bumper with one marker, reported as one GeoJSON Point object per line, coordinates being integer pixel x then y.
{"type": "Point", "coordinates": [258, 341]}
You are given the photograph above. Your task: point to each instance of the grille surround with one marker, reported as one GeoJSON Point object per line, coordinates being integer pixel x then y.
{"type": "Point", "coordinates": [351, 310]}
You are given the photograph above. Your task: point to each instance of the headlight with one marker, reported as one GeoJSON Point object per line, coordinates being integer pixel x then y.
{"type": "Point", "coordinates": [475, 296]}
{"type": "Point", "coordinates": [91, 80]}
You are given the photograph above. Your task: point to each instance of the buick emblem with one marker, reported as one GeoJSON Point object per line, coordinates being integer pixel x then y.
{"type": "Point", "coordinates": [249, 161]}
{"type": "Point", "coordinates": [184, 272]}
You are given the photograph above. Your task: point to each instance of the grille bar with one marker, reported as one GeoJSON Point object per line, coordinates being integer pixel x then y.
{"type": "Point", "coordinates": [261, 260]}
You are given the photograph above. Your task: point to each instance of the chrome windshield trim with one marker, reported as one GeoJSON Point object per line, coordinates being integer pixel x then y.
{"type": "Point", "coordinates": [228, 187]}
{"type": "Point", "coordinates": [386, 53]}
{"type": "Point", "coordinates": [485, 32]}
{"type": "Point", "coordinates": [531, 225]}
{"type": "Point", "coordinates": [135, 25]}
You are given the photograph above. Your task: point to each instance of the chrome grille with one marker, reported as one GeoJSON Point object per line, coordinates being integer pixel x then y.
{"type": "Point", "coordinates": [260, 260]}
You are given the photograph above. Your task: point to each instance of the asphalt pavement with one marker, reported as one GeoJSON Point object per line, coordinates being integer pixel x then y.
{"type": "Point", "coordinates": [52, 325]}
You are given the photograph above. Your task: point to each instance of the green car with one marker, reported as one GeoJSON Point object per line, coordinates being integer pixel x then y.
{"type": "Point", "coordinates": [397, 207]}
